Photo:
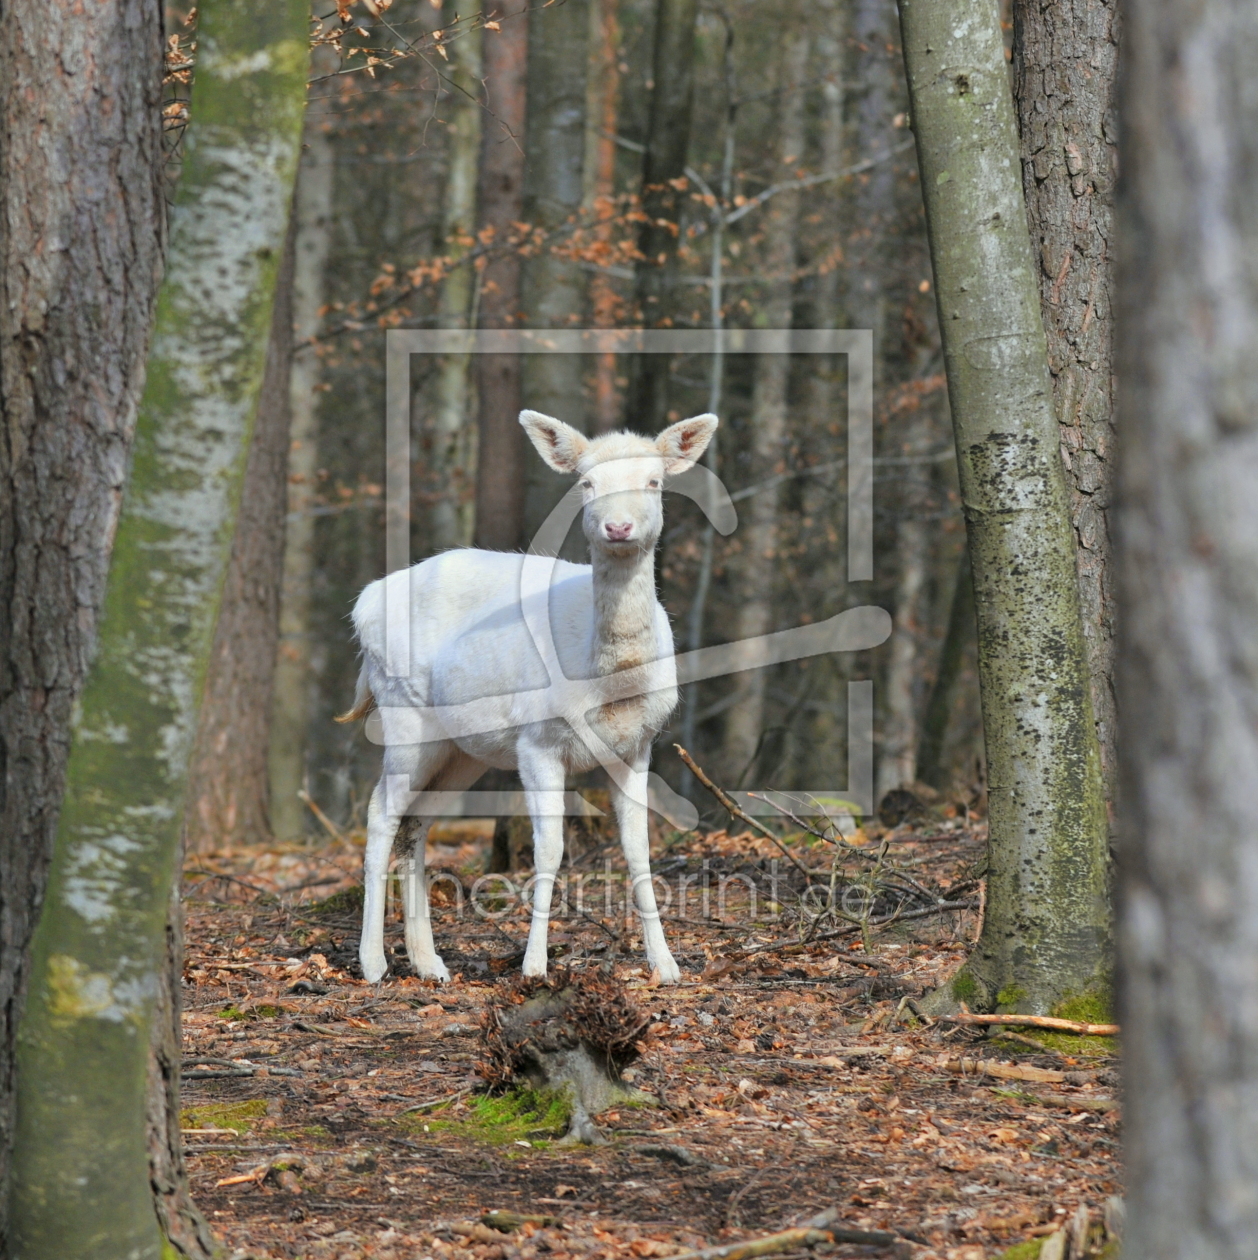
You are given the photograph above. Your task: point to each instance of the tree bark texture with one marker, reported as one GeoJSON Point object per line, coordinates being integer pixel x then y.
{"type": "Point", "coordinates": [449, 432]}
{"type": "Point", "coordinates": [1065, 58]}
{"type": "Point", "coordinates": [500, 466]}
{"type": "Point", "coordinates": [291, 703]}
{"type": "Point", "coordinates": [1046, 932]}
{"type": "Point", "coordinates": [81, 1184]}
{"type": "Point", "coordinates": [81, 238]}
{"type": "Point", "coordinates": [228, 780]}
{"type": "Point", "coordinates": [1188, 601]}
{"type": "Point", "coordinates": [761, 562]}
{"type": "Point", "coordinates": [552, 286]}
{"type": "Point", "coordinates": [664, 194]}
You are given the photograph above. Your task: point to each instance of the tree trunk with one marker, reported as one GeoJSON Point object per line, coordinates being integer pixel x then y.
{"type": "Point", "coordinates": [228, 780]}
{"type": "Point", "coordinates": [98, 957]}
{"type": "Point", "coordinates": [663, 196]}
{"type": "Point", "coordinates": [1046, 931]}
{"type": "Point", "coordinates": [500, 467]}
{"type": "Point", "coordinates": [897, 764]}
{"type": "Point", "coordinates": [1188, 589]}
{"type": "Point", "coordinates": [1065, 59]}
{"type": "Point", "coordinates": [553, 287]}
{"type": "Point", "coordinates": [81, 236]}
{"type": "Point", "coordinates": [290, 712]}
{"type": "Point", "coordinates": [451, 456]}
{"type": "Point", "coordinates": [603, 86]}
{"type": "Point", "coordinates": [930, 748]}
{"type": "Point", "coordinates": [761, 565]}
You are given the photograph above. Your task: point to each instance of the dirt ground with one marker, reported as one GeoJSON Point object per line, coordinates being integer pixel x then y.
{"type": "Point", "coordinates": [326, 1117]}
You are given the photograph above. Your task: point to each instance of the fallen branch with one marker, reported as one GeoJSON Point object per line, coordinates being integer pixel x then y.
{"type": "Point", "coordinates": [1037, 1021]}
{"type": "Point", "coordinates": [1012, 1071]}
{"type": "Point", "coordinates": [821, 1229]}
{"type": "Point", "coordinates": [231, 1067]}
{"type": "Point", "coordinates": [1066, 1104]}
{"type": "Point", "coordinates": [436, 1102]}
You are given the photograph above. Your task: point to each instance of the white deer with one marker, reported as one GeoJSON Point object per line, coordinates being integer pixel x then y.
{"type": "Point", "coordinates": [477, 636]}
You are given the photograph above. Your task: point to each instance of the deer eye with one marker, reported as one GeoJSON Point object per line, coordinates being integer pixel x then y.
{"type": "Point", "coordinates": [586, 484]}
{"type": "Point", "coordinates": [653, 484]}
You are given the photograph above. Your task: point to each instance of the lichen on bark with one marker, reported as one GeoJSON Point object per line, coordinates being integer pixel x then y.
{"type": "Point", "coordinates": [1047, 924]}
{"type": "Point", "coordinates": [82, 1180]}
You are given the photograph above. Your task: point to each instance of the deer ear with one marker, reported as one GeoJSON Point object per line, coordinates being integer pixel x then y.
{"type": "Point", "coordinates": [682, 444]}
{"type": "Point", "coordinates": [559, 444]}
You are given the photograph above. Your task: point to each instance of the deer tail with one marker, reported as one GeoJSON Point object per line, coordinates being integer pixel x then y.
{"type": "Point", "coordinates": [364, 701]}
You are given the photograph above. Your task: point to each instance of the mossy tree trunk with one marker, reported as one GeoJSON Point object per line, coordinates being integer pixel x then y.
{"type": "Point", "coordinates": [82, 229]}
{"type": "Point", "coordinates": [1046, 935]}
{"type": "Point", "coordinates": [82, 1174]}
{"type": "Point", "coordinates": [1188, 591]}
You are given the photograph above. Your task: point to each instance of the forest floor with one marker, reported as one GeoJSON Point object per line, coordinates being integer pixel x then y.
{"type": "Point", "coordinates": [326, 1117]}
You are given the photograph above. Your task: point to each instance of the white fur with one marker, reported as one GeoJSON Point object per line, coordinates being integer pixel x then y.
{"type": "Point", "coordinates": [481, 626]}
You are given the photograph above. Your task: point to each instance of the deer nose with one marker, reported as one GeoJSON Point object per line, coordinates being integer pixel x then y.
{"type": "Point", "coordinates": [618, 531]}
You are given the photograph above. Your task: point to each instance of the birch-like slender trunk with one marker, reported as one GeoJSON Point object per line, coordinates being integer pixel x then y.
{"type": "Point", "coordinates": [552, 286]}
{"type": "Point", "coordinates": [82, 1174]}
{"type": "Point", "coordinates": [1046, 933]}
{"type": "Point", "coordinates": [760, 563]}
{"type": "Point", "coordinates": [450, 432]}
{"type": "Point", "coordinates": [1065, 61]}
{"type": "Point", "coordinates": [290, 713]}
{"type": "Point", "coordinates": [1188, 605]}
{"type": "Point", "coordinates": [82, 227]}
{"type": "Point", "coordinates": [664, 194]}
{"type": "Point", "coordinates": [603, 89]}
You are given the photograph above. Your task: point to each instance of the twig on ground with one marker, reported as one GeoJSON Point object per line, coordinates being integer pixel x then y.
{"type": "Point", "coordinates": [1013, 1071]}
{"type": "Point", "coordinates": [733, 808]}
{"type": "Point", "coordinates": [821, 1229]}
{"type": "Point", "coordinates": [1036, 1021]}
{"type": "Point", "coordinates": [436, 1102]}
{"type": "Point", "coordinates": [1066, 1104]}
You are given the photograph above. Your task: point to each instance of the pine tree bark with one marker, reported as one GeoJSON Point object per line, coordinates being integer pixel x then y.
{"type": "Point", "coordinates": [500, 467]}
{"type": "Point", "coordinates": [228, 777]}
{"type": "Point", "coordinates": [1188, 591]}
{"type": "Point", "coordinates": [82, 230]}
{"type": "Point", "coordinates": [291, 708]}
{"type": "Point", "coordinates": [1065, 60]}
{"type": "Point", "coordinates": [761, 565]}
{"type": "Point", "coordinates": [663, 197]}
{"type": "Point", "coordinates": [82, 1182]}
{"type": "Point", "coordinates": [552, 286]}
{"type": "Point", "coordinates": [1046, 932]}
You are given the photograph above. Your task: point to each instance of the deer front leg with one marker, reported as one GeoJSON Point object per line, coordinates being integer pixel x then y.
{"type": "Point", "coordinates": [381, 829]}
{"type": "Point", "coordinates": [631, 815]}
{"type": "Point", "coordinates": [542, 774]}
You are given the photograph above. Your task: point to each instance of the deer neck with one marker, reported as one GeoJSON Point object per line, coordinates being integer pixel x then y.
{"type": "Point", "coordinates": [624, 611]}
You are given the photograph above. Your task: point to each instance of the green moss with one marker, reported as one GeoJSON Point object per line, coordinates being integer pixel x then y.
{"type": "Point", "coordinates": [1095, 1007]}
{"type": "Point", "coordinates": [238, 1116]}
{"type": "Point", "coordinates": [499, 1120]}
{"type": "Point", "coordinates": [347, 901]}
{"type": "Point", "coordinates": [232, 1013]}
{"type": "Point", "coordinates": [1009, 997]}
{"type": "Point", "coordinates": [268, 1011]}
{"type": "Point", "coordinates": [1027, 1250]}
{"type": "Point", "coordinates": [964, 987]}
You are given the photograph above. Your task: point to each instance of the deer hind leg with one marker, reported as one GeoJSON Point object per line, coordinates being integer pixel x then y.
{"type": "Point", "coordinates": [404, 766]}
{"type": "Point", "coordinates": [631, 815]}
{"type": "Point", "coordinates": [542, 774]}
{"type": "Point", "coordinates": [456, 775]}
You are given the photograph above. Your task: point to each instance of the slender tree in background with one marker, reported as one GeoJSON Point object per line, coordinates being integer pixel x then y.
{"type": "Point", "coordinates": [81, 1169]}
{"type": "Point", "coordinates": [450, 433]}
{"type": "Point", "coordinates": [1188, 592]}
{"type": "Point", "coordinates": [1065, 60]}
{"type": "Point", "coordinates": [1046, 932]}
{"type": "Point", "coordinates": [291, 708]}
{"type": "Point", "coordinates": [760, 559]}
{"type": "Point", "coordinates": [664, 190]}
{"type": "Point", "coordinates": [81, 235]}
{"type": "Point", "coordinates": [228, 779]}
{"type": "Point", "coordinates": [553, 286]}
{"type": "Point", "coordinates": [939, 708]}
{"type": "Point", "coordinates": [603, 88]}
{"type": "Point", "coordinates": [500, 477]}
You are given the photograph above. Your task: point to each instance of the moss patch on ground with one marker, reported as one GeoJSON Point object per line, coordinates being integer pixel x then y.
{"type": "Point", "coordinates": [519, 1115]}
{"type": "Point", "coordinates": [238, 1116]}
{"type": "Point", "coordinates": [1086, 1008]}
{"type": "Point", "coordinates": [347, 901]}
{"type": "Point", "coordinates": [1027, 1250]}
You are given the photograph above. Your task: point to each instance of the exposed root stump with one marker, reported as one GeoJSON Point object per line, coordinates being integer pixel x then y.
{"type": "Point", "coordinates": [572, 1033]}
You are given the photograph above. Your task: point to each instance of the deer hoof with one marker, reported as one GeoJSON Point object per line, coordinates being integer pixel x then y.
{"type": "Point", "coordinates": [668, 971]}
{"type": "Point", "coordinates": [434, 969]}
{"type": "Point", "coordinates": [374, 967]}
